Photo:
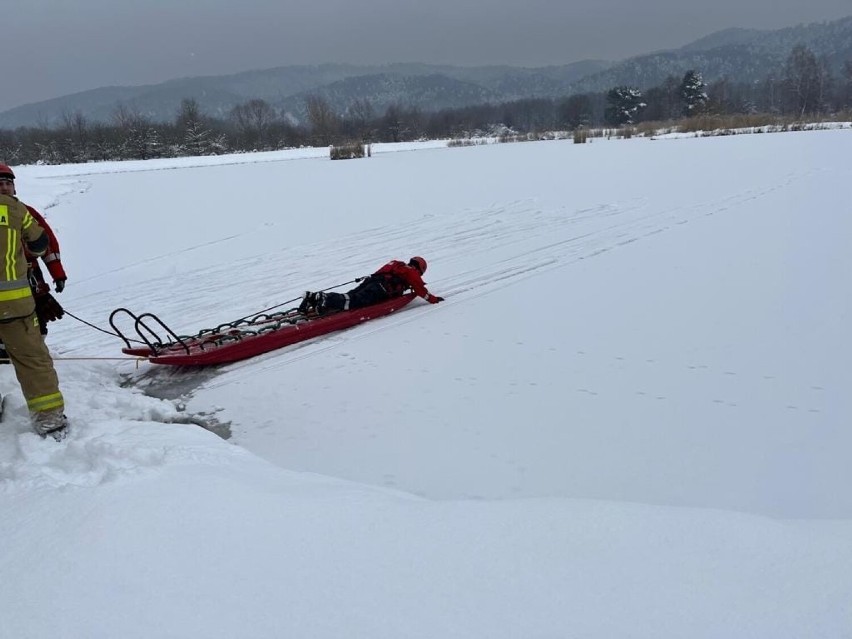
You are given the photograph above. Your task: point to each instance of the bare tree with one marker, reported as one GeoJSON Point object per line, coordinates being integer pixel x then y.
{"type": "Point", "coordinates": [105, 143]}
{"type": "Point", "coordinates": [361, 113]}
{"type": "Point", "coordinates": [10, 148]}
{"type": "Point", "coordinates": [324, 122]}
{"type": "Point", "coordinates": [75, 129]}
{"type": "Point", "coordinates": [576, 111]}
{"type": "Point", "coordinates": [846, 93]}
{"type": "Point", "coordinates": [720, 100]}
{"type": "Point", "coordinates": [391, 124]}
{"type": "Point", "coordinates": [253, 120]}
{"type": "Point", "coordinates": [189, 113]}
{"type": "Point", "coordinates": [127, 117]}
{"type": "Point", "coordinates": [806, 80]}
{"type": "Point", "coordinates": [663, 101]}
{"type": "Point", "coordinates": [76, 124]}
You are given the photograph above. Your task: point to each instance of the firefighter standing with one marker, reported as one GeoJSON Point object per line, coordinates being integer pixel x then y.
{"type": "Point", "coordinates": [19, 326]}
{"type": "Point", "coordinates": [47, 308]}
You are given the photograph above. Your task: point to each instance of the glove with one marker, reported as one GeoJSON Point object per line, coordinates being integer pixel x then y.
{"type": "Point", "coordinates": [37, 286]}
{"type": "Point", "coordinates": [59, 285]}
{"type": "Point", "coordinates": [434, 299]}
{"type": "Point", "coordinates": [48, 309]}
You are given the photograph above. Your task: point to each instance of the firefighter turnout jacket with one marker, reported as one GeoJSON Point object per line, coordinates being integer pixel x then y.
{"type": "Point", "coordinates": [17, 226]}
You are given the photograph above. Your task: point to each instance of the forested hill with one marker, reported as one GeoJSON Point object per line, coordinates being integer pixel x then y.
{"type": "Point", "coordinates": [738, 55]}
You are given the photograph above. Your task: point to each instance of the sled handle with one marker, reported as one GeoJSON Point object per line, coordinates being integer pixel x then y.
{"type": "Point", "coordinates": [140, 324]}
{"type": "Point", "coordinates": [116, 329]}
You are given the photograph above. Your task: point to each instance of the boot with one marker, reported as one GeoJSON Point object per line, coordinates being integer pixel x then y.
{"type": "Point", "coordinates": [51, 422]}
{"type": "Point", "coordinates": [320, 303]}
{"type": "Point", "coordinates": [309, 301]}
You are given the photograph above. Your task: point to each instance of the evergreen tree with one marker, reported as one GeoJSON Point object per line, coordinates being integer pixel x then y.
{"type": "Point", "coordinates": [623, 105]}
{"type": "Point", "coordinates": [142, 143]}
{"type": "Point", "coordinates": [196, 139]}
{"type": "Point", "coordinates": [196, 136]}
{"type": "Point", "coordinates": [693, 93]}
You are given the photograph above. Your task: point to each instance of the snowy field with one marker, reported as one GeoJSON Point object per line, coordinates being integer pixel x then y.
{"type": "Point", "coordinates": [629, 418]}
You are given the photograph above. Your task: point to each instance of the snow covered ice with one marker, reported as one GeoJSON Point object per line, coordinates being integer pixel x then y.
{"type": "Point", "coordinates": [630, 417]}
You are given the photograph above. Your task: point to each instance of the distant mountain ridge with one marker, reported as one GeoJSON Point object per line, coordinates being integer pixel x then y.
{"type": "Point", "coordinates": [283, 87]}
{"type": "Point", "coordinates": [741, 55]}
{"type": "Point", "coordinates": [724, 38]}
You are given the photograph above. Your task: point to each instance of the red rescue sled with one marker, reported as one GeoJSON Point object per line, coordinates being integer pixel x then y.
{"type": "Point", "coordinates": [244, 338]}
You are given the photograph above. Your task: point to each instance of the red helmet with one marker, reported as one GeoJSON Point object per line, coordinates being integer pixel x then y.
{"type": "Point", "coordinates": [419, 263]}
{"type": "Point", "coordinates": [6, 172]}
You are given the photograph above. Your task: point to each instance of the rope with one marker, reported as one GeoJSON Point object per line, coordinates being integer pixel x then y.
{"type": "Point", "coordinates": [295, 299]}
{"type": "Point", "coordinates": [97, 328]}
{"type": "Point", "coordinates": [108, 359]}
{"type": "Point", "coordinates": [6, 360]}
{"type": "Point", "coordinates": [137, 359]}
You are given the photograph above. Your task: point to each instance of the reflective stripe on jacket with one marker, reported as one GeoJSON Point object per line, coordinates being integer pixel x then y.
{"type": "Point", "coordinates": [16, 227]}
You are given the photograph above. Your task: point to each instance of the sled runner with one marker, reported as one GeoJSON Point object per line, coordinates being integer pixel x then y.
{"type": "Point", "coordinates": [243, 338]}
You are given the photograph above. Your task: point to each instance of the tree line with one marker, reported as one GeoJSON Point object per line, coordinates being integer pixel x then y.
{"type": "Point", "coordinates": [804, 87]}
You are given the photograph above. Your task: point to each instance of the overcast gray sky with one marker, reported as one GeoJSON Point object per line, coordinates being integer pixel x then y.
{"type": "Point", "coordinates": [56, 47]}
